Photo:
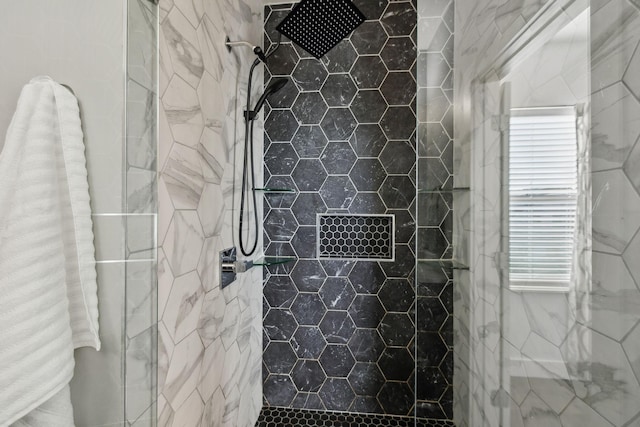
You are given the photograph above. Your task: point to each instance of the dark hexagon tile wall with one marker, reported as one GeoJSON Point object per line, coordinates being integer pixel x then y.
{"type": "Point", "coordinates": [341, 335]}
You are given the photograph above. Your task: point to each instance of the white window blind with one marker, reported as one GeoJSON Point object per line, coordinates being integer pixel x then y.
{"type": "Point", "coordinates": [543, 181]}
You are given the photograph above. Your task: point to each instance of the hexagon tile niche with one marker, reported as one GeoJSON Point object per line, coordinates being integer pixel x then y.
{"type": "Point", "coordinates": [340, 335]}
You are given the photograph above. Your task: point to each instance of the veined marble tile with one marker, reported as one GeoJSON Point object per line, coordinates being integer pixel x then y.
{"type": "Point", "coordinates": [183, 45]}
{"type": "Point", "coordinates": [141, 373]}
{"type": "Point", "coordinates": [537, 413]}
{"type": "Point", "coordinates": [141, 190]}
{"type": "Point", "coordinates": [165, 352]}
{"type": "Point", "coordinates": [212, 101]}
{"type": "Point", "coordinates": [193, 10]}
{"type": "Point", "coordinates": [164, 64]}
{"type": "Point", "coordinates": [616, 208]}
{"type": "Point", "coordinates": [141, 36]}
{"type": "Point", "coordinates": [184, 371]}
{"type": "Point", "coordinates": [141, 126]}
{"type": "Point", "coordinates": [614, 297]}
{"type": "Point", "coordinates": [615, 118]}
{"type": "Point", "coordinates": [231, 408]}
{"type": "Point", "coordinates": [141, 297]}
{"type": "Point", "coordinates": [190, 413]}
{"type": "Point", "coordinates": [212, 370]}
{"type": "Point", "coordinates": [182, 108]}
{"type": "Point", "coordinates": [631, 346]}
{"type": "Point", "coordinates": [614, 38]}
{"type": "Point", "coordinates": [210, 31]}
{"type": "Point", "coordinates": [165, 209]}
{"type": "Point", "coordinates": [183, 178]}
{"type": "Point", "coordinates": [212, 317]}
{"type": "Point", "coordinates": [183, 307]}
{"type": "Point", "coordinates": [579, 414]}
{"type": "Point", "coordinates": [183, 242]}
{"type": "Point", "coordinates": [209, 264]}
{"type": "Point", "coordinates": [214, 409]}
{"type": "Point", "coordinates": [230, 323]}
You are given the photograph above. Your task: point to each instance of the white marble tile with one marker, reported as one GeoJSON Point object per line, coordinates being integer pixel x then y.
{"type": "Point", "coordinates": [141, 126]}
{"type": "Point", "coordinates": [140, 374]}
{"type": "Point", "coordinates": [579, 414]}
{"type": "Point", "coordinates": [215, 155]}
{"type": "Point", "coordinates": [631, 256]}
{"type": "Point", "coordinates": [214, 409]}
{"type": "Point", "coordinates": [165, 209]}
{"type": "Point", "coordinates": [210, 33]}
{"type": "Point", "coordinates": [183, 178]}
{"type": "Point", "coordinates": [231, 408]}
{"type": "Point", "coordinates": [230, 323]}
{"type": "Point", "coordinates": [614, 297]}
{"type": "Point", "coordinates": [614, 38]}
{"type": "Point", "coordinates": [631, 346]}
{"type": "Point", "coordinates": [212, 370]}
{"type": "Point", "coordinates": [183, 46]}
{"type": "Point", "coordinates": [209, 264]}
{"type": "Point", "coordinates": [212, 317]}
{"type": "Point", "coordinates": [141, 190]}
{"type": "Point", "coordinates": [141, 297]}
{"type": "Point", "coordinates": [615, 126]}
{"type": "Point", "coordinates": [183, 242]}
{"type": "Point", "coordinates": [192, 10]}
{"type": "Point", "coordinates": [184, 371]}
{"type": "Point", "coordinates": [183, 307]}
{"type": "Point", "coordinates": [165, 352]}
{"type": "Point", "coordinates": [212, 101]}
{"type": "Point", "coordinates": [141, 36]}
{"type": "Point", "coordinates": [190, 413]}
{"type": "Point", "coordinates": [182, 108]}
{"type": "Point", "coordinates": [537, 413]}
{"type": "Point", "coordinates": [546, 355]}
{"type": "Point", "coordinates": [616, 209]}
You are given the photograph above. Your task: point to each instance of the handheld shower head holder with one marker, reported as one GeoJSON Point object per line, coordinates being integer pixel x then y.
{"type": "Point", "coordinates": [256, 49]}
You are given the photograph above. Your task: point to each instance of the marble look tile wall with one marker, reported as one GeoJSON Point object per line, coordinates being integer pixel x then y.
{"type": "Point", "coordinates": [340, 335]}
{"type": "Point", "coordinates": [209, 340]}
{"type": "Point", "coordinates": [603, 388]}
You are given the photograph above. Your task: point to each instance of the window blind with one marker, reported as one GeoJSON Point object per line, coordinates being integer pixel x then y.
{"type": "Point", "coordinates": [543, 181]}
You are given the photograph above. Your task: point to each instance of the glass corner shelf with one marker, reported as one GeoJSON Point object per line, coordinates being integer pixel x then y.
{"type": "Point", "coordinates": [444, 190]}
{"type": "Point", "coordinates": [445, 263]}
{"type": "Point", "coordinates": [274, 190]}
{"type": "Point", "coordinates": [268, 261]}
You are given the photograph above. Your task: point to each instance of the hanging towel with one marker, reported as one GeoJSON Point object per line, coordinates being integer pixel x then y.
{"type": "Point", "coordinates": [48, 292]}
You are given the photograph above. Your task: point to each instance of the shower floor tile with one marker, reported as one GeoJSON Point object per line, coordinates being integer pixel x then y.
{"type": "Point", "coordinates": [289, 417]}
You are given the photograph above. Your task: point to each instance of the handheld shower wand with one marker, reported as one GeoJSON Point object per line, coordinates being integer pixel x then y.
{"type": "Point", "coordinates": [248, 170]}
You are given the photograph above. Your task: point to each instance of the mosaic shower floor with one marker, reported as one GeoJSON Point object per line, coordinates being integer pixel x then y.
{"type": "Point", "coordinates": [289, 417]}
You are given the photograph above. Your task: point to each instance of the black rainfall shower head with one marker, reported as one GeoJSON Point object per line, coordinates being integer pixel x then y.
{"type": "Point", "coordinates": [276, 84]}
{"type": "Point", "coordinates": [318, 25]}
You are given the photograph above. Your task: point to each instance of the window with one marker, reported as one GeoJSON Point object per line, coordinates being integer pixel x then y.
{"type": "Point", "coordinates": [543, 182]}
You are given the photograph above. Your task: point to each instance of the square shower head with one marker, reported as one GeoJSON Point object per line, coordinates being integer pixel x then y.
{"type": "Point", "coordinates": [319, 25]}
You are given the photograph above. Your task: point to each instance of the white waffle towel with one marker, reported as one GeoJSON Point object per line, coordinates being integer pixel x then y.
{"type": "Point", "coordinates": [48, 293]}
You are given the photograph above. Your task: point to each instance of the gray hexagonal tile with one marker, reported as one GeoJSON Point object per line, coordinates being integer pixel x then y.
{"type": "Point", "coordinates": [308, 309]}
{"type": "Point", "coordinates": [306, 207]}
{"type": "Point", "coordinates": [396, 329]}
{"type": "Point", "coordinates": [398, 123]}
{"type": "Point", "coordinates": [399, 53]}
{"type": "Point", "coordinates": [398, 88]}
{"type": "Point", "coordinates": [280, 224]}
{"type": "Point", "coordinates": [368, 106]}
{"type": "Point", "coordinates": [430, 315]}
{"type": "Point", "coordinates": [279, 324]}
{"type": "Point", "coordinates": [279, 358]}
{"type": "Point", "coordinates": [367, 174]}
{"type": "Point", "coordinates": [309, 74]}
{"type": "Point", "coordinates": [366, 311]}
{"type": "Point", "coordinates": [338, 90]}
{"type": "Point", "coordinates": [432, 139]}
{"type": "Point", "coordinates": [366, 345]}
{"type": "Point", "coordinates": [338, 192]}
{"type": "Point", "coordinates": [435, 69]}
{"type": "Point", "coordinates": [396, 295]}
{"type": "Point", "coordinates": [280, 126]}
{"type": "Point", "coordinates": [282, 61]}
{"type": "Point", "coordinates": [369, 38]}
{"type": "Point", "coordinates": [340, 58]}
{"type": "Point", "coordinates": [398, 157]}
{"type": "Point", "coordinates": [366, 379]}
{"type": "Point", "coordinates": [367, 203]}
{"type": "Point", "coordinates": [279, 390]}
{"type": "Point", "coordinates": [308, 275]}
{"type": "Point", "coordinates": [280, 158]}
{"type": "Point", "coordinates": [432, 243]}
{"type": "Point", "coordinates": [309, 175]}
{"type": "Point", "coordinates": [309, 108]}
{"type": "Point", "coordinates": [284, 199]}
{"type": "Point", "coordinates": [309, 141]}
{"type": "Point", "coordinates": [307, 375]}
{"type": "Point", "coordinates": [369, 72]}
{"type": "Point", "coordinates": [336, 360]}
{"type": "Point", "coordinates": [338, 124]}
{"type": "Point", "coordinates": [367, 277]}
{"type": "Point", "coordinates": [337, 293]}
{"type": "Point", "coordinates": [433, 104]}
{"type": "Point", "coordinates": [304, 242]}
{"type": "Point", "coordinates": [279, 291]}
{"type": "Point", "coordinates": [397, 192]}
{"type": "Point", "coordinates": [396, 363]}
{"type": "Point", "coordinates": [308, 342]}
{"type": "Point", "coordinates": [368, 140]}
{"type": "Point", "coordinates": [433, 35]}
{"type": "Point", "coordinates": [336, 394]}
{"type": "Point", "coordinates": [337, 327]}
{"type": "Point", "coordinates": [338, 158]}
{"type": "Point", "coordinates": [399, 19]}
